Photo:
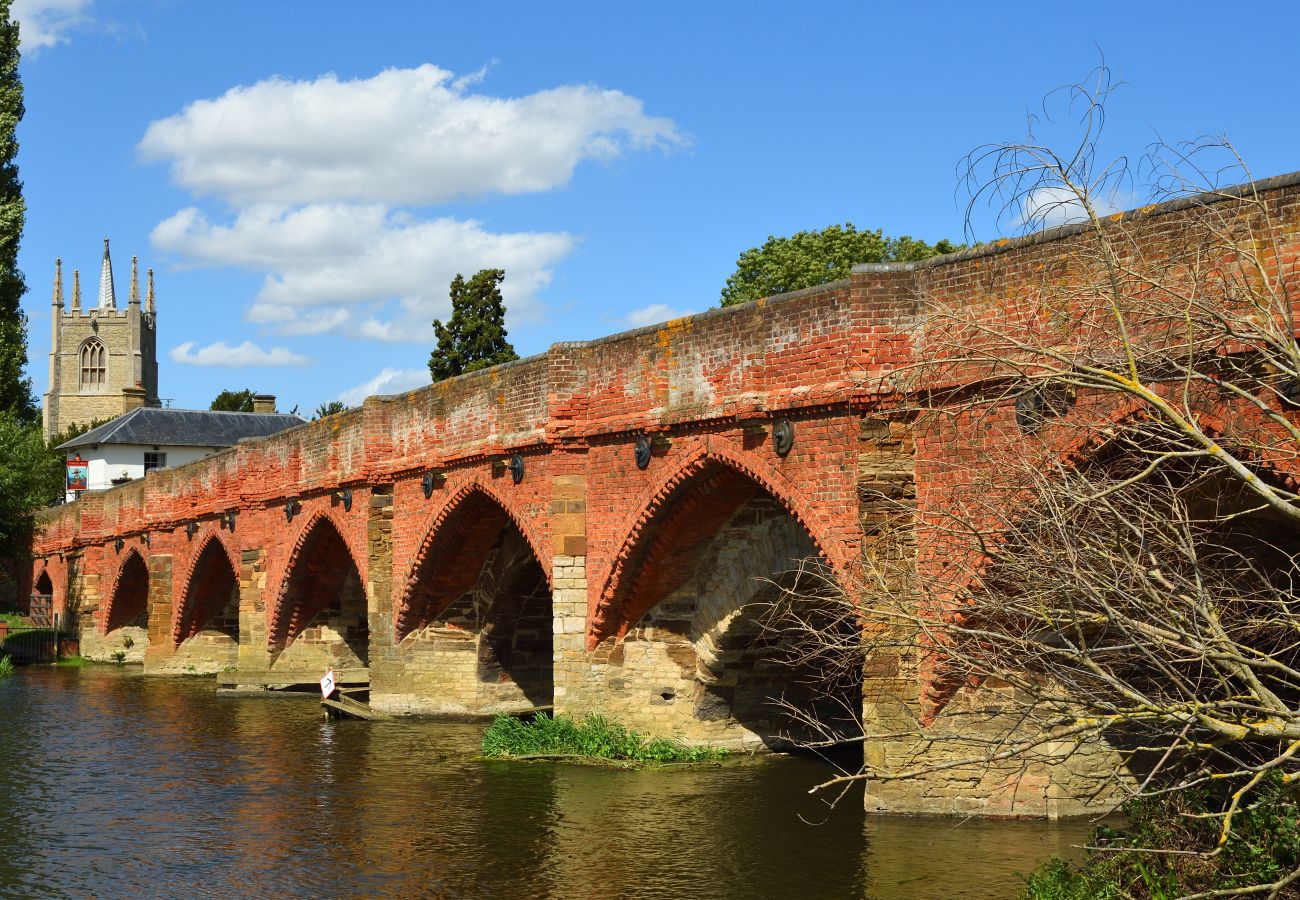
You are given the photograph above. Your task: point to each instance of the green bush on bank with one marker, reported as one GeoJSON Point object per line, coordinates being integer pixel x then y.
{"type": "Point", "coordinates": [17, 621]}
{"type": "Point", "coordinates": [1263, 848]}
{"type": "Point", "coordinates": [6, 667]}
{"type": "Point", "coordinates": [594, 737]}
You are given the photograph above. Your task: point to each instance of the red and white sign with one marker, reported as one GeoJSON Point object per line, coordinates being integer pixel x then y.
{"type": "Point", "coordinates": [78, 474]}
{"type": "Point", "coordinates": [327, 683]}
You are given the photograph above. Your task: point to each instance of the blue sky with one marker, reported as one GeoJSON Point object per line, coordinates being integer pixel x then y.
{"type": "Point", "coordinates": [306, 177]}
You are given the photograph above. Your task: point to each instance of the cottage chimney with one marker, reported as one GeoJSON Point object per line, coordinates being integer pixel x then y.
{"type": "Point", "coordinates": [264, 403]}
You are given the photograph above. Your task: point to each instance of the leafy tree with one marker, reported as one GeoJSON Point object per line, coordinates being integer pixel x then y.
{"type": "Point", "coordinates": [475, 336]}
{"type": "Point", "coordinates": [233, 401]}
{"type": "Point", "coordinates": [329, 409]}
{"type": "Point", "coordinates": [810, 258]}
{"type": "Point", "coordinates": [28, 481]}
{"type": "Point", "coordinates": [15, 390]}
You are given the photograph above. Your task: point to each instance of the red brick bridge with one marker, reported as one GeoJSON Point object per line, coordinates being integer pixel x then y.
{"type": "Point", "coordinates": [589, 528]}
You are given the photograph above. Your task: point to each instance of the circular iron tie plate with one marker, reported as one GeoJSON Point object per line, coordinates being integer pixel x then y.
{"type": "Point", "coordinates": [642, 451]}
{"type": "Point", "coordinates": [783, 437]}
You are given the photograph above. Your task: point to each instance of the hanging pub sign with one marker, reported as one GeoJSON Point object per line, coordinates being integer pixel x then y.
{"type": "Point", "coordinates": [78, 474]}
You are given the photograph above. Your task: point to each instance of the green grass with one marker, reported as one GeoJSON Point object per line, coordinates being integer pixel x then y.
{"type": "Point", "coordinates": [6, 667]}
{"type": "Point", "coordinates": [593, 738]}
{"type": "Point", "coordinates": [73, 662]}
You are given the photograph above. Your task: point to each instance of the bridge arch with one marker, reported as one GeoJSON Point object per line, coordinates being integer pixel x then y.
{"type": "Point", "coordinates": [209, 591]}
{"type": "Point", "coordinates": [320, 605]}
{"type": "Point", "coordinates": [685, 616]}
{"type": "Point", "coordinates": [128, 598]}
{"type": "Point", "coordinates": [648, 533]}
{"type": "Point", "coordinates": [49, 587]}
{"type": "Point", "coordinates": [480, 585]}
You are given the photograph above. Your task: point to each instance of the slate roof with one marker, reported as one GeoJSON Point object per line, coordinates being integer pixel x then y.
{"type": "Point", "coordinates": [184, 428]}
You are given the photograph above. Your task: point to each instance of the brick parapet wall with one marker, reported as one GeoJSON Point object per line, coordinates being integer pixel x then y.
{"type": "Point", "coordinates": [785, 354]}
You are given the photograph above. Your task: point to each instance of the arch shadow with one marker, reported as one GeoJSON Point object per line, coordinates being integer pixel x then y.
{"type": "Point", "coordinates": [209, 593]}
{"type": "Point", "coordinates": [479, 584]}
{"type": "Point", "coordinates": [128, 603]}
{"type": "Point", "coordinates": [687, 615]}
{"type": "Point", "coordinates": [322, 599]}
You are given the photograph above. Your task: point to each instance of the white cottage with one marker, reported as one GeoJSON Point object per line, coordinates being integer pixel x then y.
{"type": "Point", "coordinates": [145, 438]}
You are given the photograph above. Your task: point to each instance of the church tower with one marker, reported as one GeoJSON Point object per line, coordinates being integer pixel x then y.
{"type": "Point", "coordinates": [103, 360]}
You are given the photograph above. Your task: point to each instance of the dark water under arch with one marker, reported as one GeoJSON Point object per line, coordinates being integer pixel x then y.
{"type": "Point", "coordinates": [114, 784]}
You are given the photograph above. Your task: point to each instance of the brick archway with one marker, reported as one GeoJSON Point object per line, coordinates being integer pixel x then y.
{"type": "Point", "coordinates": [203, 575]}
{"type": "Point", "coordinates": [689, 504]}
{"type": "Point", "coordinates": [287, 618]}
{"type": "Point", "coordinates": [129, 595]}
{"type": "Point", "coordinates": [460, 533]}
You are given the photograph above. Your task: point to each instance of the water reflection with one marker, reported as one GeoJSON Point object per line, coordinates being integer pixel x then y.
{"type": "Point", "coordinates": [116, 784]}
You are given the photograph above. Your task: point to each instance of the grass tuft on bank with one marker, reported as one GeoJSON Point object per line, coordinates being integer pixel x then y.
{"type": "Point", "coordinates": [593, 738]}
{"type": "Point", "coordinates": [1165, 851]}
{"type": "Point", "coordinates": [6, 667]}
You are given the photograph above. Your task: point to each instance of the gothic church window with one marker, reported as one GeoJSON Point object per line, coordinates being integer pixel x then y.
{"type": "Point", "coordinates": [94, 365]}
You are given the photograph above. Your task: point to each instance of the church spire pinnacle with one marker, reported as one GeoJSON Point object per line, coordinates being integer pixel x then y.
{"type": "Point", "coordinates": [76, 290]}
{"type": "Point", "coordinates": [58, 283]}
{"type": "Point", "coordinates": [148, 297]}
{"type": "Point", "coordinates": [135, 282]}
{"type": "Point", "coordinates": [107, 296]}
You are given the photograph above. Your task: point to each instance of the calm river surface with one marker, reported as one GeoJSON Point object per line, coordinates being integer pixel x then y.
{"type": "Point", "coordinates": [117, 785]}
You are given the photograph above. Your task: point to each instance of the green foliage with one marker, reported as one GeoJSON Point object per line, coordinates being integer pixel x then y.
{"type": "Point", "coordinates": [15, 390]}
{"type": "Point", "coordinates": [119, 656]}
{"type": "Point", "coordinates": [594, 737]}
{"type": "Point", "coordinates": [233, 401]}
{"type": "Point", "coordinates": [28, 481]}
{"type": "Point", "coordinates": [329, 409]}
{"type": "Point", "coordinates": [6, 667]}
{"type": "Point", "coordinates": [72, 662]}
{"type": "Point", "coordinates": [16, 621]}
{"type": "Point", "coordinates": [810, 258]}
{"type": "Point", "coordinates": [1263, 847]}
{"type": "Point", "coordinates": [475, 335]}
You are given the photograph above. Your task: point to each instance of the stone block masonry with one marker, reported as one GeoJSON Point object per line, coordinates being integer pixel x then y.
{"type": "Point", "coordinates": [595, 529]}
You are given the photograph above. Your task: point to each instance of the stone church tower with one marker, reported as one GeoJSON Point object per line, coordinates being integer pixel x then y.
{"type": "Point", "coordinates": [104, 360]}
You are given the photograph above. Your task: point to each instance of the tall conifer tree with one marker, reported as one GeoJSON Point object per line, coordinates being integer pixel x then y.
{"type": "Point", "coordinates": [15, 390]}
{"type": "Point", "coordinates": [475, 335]}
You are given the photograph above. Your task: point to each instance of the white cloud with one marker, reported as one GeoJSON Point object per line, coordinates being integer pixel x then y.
{"type": "Point", "coordinates": [44, 23]}
{"type": "Point", "coordinates": [1048, 207]}
{"type": "Point", "coordinates": [389, 381]}
{"type": "Point", "coordinates": [323, 259]}
{"type": "Point", "coordinates": [654, 314]}
{"type": "Point", "coordinates": [245, 355]}
{"type": "Point", "coordinates": [404, 137]}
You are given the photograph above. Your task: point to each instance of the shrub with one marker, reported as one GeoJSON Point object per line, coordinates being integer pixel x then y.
{"type": "Point", "coordinates": [1262, 848]}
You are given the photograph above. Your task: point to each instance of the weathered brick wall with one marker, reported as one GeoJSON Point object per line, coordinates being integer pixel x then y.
{"type": "Point", "coordinates": [637, 559]}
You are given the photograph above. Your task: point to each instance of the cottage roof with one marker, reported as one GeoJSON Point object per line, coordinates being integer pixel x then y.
{"type": "Point", "coordinates": [184, 428]}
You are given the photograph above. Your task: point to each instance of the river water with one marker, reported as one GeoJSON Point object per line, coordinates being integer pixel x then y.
{"type": "Point", "coordinates": [117, 785]}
